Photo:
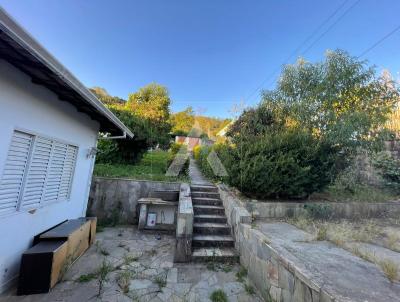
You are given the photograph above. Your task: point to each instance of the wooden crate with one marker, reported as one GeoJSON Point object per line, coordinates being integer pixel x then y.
{"type": "Point", "coordinates": [93, 225]}
{"type": "Point", "coordinates": [42, 266]}
{"type": "Point", "coordinates": [76, 232]}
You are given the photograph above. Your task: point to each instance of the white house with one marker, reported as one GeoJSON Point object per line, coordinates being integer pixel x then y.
{"type": "Point", "coordinates": [49, 125]}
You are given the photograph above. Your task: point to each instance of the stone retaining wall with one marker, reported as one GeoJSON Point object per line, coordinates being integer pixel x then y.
{"type": "Point", "coordinates": [276, 277]}
{"type": "Point", "coordinates": [115, 200]}
{"type": "Point", "coordinates": [349, 210]}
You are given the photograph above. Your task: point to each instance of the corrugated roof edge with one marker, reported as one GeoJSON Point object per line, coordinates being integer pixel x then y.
{"type": "Point", "coordinates": [25, 40]}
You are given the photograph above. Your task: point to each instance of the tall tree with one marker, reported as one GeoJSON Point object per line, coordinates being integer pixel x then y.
{"type": "Point", "coordinates": [152, 102]}
{"type": "Point", "coordinates": [183, 121]}
{"type": "Point", "coordinates": [340, 99]}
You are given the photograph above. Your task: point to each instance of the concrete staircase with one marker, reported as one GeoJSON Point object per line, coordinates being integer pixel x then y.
{"type": "Point", "coordinates": [212, 239]}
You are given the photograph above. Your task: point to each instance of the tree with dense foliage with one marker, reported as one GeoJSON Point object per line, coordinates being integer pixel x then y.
{"type": "Point", "coordinates": [340, 99]}
{"type": "Point", "coordinates": [182, 122]}
{"type": "Point", "coordinates": [152, 102]}
{"type": "Point", "coordinates": [146, 114]}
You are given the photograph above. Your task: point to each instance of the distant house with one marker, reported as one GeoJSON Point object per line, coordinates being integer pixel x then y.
{"type": "Point", "coordinates": [49, 125]}
{"type": "Point", "coordinates": [189, 141]}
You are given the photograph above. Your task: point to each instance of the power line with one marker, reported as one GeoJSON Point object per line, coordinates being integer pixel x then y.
{"type": "Point", "coordinates": [379, 41]}
{"type": "Point", "coordinates": [332, 26]}
{"type": "Point", "coordinates": [317, 29]}
{"type": "Point", "coordinates": [271, 75]}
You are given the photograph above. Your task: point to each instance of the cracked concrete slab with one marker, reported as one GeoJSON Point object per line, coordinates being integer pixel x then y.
{"type": "Point", "coordinates": [136, 266]}
{"type": "Point", "coordinates": [342, 274]}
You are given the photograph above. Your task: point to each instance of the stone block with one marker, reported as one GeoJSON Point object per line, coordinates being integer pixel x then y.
{"type": "Point", "coordinates": [286, 279]}
{"type": "Point", "coordinates": [263, 251]}
{"type": "Point", "coordinates": [302, 292]}
{"type": "Point", "coordinates": [286, 296]}
{"type": "Point", "coordinates": [275, 293]}
{"type": "Point", "coordinates": [272, 269]}
{"type": "Point", "coordinates": [183, 249]}
{"type": "Point", "coordinates": [325, 297]}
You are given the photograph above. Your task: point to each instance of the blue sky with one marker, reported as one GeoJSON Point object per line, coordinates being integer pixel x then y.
{"type": "Point", "coordinates": [210, 54]}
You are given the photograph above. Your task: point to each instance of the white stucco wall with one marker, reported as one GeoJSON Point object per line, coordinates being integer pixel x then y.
{"type": "Point", "coordinates": [24, 105]}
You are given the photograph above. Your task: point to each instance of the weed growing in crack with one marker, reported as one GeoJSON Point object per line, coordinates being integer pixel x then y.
{"type": "Point", "coordinates": [366, 255]}
{"type": "Point", "coordinates": [160, 281]}
{"type": "Point", "coordinates": [393, 241]}
{"type": "Point", "coordinates": [226, 267]}
{"type": "Point", "coordinates": [102, 273]}
{"type": "Point", "coordinates": [218, 296]}
{"type": "Point", "coordinates": [249, 289]}
{"type": "Point", "coordinates": [123, 280]}
{"type": "Point", "coordinates": [241, 274]}
{"type": "Point", "coordinates": [322, 233]}
{"type": "Point", "coordinates": [86, 278]}
{"type": "Point", "coordinates": [390, 268]}
{"type": "Point", "coordinates": [128, 259]}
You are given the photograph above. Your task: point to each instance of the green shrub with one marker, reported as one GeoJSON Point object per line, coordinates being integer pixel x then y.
{"type": "Point", "coordinates": [218, 296]}
{"type": "Point", "coordinates": [201, 155]}
{"type": "Point", "coordinates": [281, 164]}
{"type": "Point", "coordinates": [389, 169]}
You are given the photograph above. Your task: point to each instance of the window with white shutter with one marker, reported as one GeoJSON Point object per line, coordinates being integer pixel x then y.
{"type": "Point", "coordinates": [68, 172]}
{"type": "Point", "coordinates": [14, 171]}
{"type": "Point", "coordinates": [55, 172]}
{"type": "Point", "coordinates": [38, 171]}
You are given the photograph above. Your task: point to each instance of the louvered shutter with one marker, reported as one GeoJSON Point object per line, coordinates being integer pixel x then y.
{"type": "Point", "coordinates": [35, 180]}
{"type": "Point", "coordinates": [68, 171]}
{"type": "Point", "coordinates": [14, 170]}
{"type": "Point", "coordinates": [55, 173]}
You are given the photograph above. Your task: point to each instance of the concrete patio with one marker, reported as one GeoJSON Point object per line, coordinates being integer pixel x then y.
{"type": "Point", "coordinates": [127, 265]}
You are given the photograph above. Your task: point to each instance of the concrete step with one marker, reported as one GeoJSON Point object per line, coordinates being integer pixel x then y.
{"type": "Point", "coordinates": [210, 218]}
{"type": "Point", "coordinates": [214, 254]}
{"type": "Point", "coordinates": [207, 201]}
{"type": "Point", "coordinates": [203, 188]}
{"type": "Point", "coordinates": [212, 241]}
{"type": "Point", "coordinates": [208, 210]}
{"type": "Point", "coordinates": [210, 228]}
{"type": "Point", "coordinates": [205, 194]}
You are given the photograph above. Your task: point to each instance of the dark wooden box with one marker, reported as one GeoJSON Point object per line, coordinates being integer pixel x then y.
{"type": "Point", "coordinates": [42, 266]}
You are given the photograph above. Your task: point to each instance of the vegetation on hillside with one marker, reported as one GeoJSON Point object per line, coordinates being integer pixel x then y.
{"type": "Point", "coordinates": [146, 113]}
{"type": "Point", "coordinates": [152, 166]}
{"type": "Point", "coordinates": [309, 129]}
{"type": "Point", "coordinates": [185, 122]}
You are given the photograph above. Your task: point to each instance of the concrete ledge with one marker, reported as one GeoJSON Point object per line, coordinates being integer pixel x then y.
{"type": "Point", "coordinates": [184, 227]}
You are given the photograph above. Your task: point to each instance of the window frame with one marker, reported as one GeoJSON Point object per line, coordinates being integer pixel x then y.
{"type": "Point", "coordinates": [19, 208]}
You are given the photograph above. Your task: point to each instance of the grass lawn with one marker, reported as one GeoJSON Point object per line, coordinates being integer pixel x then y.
{"type": "Point", "coordinates": [151, 167]}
